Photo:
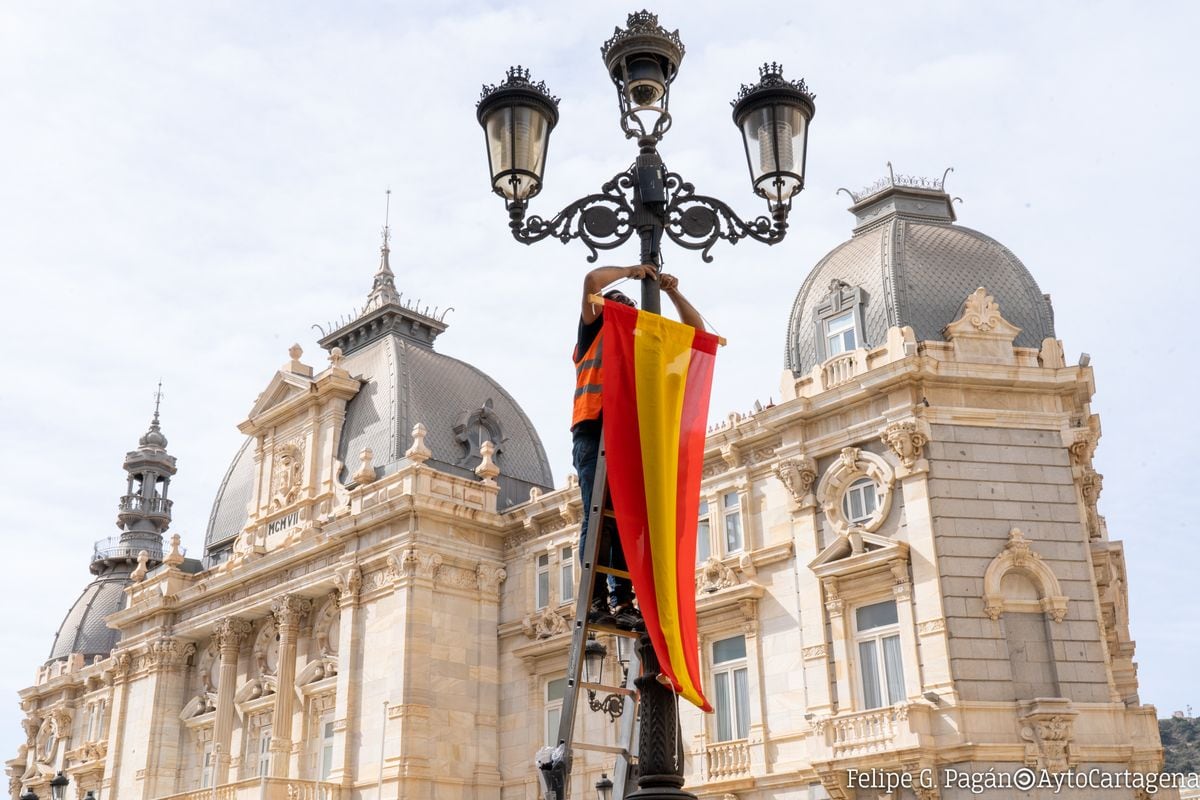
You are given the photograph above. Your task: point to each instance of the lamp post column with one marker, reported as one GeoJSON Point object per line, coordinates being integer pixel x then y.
{"type": "Point", "coordinates": [660, 744]}
{"type": "Point", "coordinates": [229, 635]}
{"type": "Point", "coordinates": [288, 611]}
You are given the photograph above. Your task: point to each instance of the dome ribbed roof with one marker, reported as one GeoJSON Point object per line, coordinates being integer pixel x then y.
{"type": "Point", "coordinates": [389, 346]}
{"type": "Point", "coordinates": [83, 629]}
{"type": "Point", "coordinates": [915, 267]}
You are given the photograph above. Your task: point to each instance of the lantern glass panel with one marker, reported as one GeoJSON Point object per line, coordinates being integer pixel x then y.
{"type": "Point", "coordinates": [516, 138]}
{"type": "Point", "coordinates": [775, 138]}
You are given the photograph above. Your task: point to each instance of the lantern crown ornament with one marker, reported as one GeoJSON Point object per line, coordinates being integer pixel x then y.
{"type": "Point", "coordinates": [773, 116]}
{"type": "Point", "coordinates": [517, 116]}
{"type": "Point", "coordinates": [642, 59]}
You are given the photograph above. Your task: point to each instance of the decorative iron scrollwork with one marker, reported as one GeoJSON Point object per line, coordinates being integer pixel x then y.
{"type": "Point", "coordinates": [697, 222]}
{"type": "Point", "coordinates": [604, 221]}
{"type": "Point", "coordinates": [601, 221]}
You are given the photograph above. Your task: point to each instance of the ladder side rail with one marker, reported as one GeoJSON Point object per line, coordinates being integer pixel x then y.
{"type": "Point", "coordinates": [583, 600]}
{"type": "Point", "coordinates": [558, 780]}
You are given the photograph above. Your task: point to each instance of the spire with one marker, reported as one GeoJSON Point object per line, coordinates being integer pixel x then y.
{"type": "Point", "coordinates": [154, 436]}
{"type": "Point", "coordinates": [387, 312]}
{"type": "Point", "coordinates": [383, 290]}
{"type": "Point", "coordinates": [144, 511]}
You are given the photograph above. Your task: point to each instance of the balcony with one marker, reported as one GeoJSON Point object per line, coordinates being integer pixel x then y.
{"type": "Point", "coordinates": [866, 733]}
{"type": "Point", "coordinates": [144, 506]}
{"type": "Point", "coordinates": [725, 761]}
{"type": "Point", "coordinates": [114, 549]}
{"type": "Point", "coordinates": [265, 789]}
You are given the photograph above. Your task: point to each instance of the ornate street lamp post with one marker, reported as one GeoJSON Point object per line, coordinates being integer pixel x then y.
{"type": "Point", "coordinates": [773, 116]}
{"type": "Point", "coordinates": [642, 59]}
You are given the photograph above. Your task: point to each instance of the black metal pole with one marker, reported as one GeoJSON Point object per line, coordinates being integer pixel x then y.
{"type": "Point", "coordinates": [649, 215]}
{"type": "Point", "coordinates": [660, 745]}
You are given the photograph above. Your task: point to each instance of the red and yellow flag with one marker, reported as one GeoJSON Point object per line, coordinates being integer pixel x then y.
{"type": "Point", "coordinates": [657, 375]}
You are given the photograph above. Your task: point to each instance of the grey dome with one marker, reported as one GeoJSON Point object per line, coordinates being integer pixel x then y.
{"type": "Point", "coordinates": [908, 264]}
{"type": "Point", "coordinates": [390, 348]}
{"type": "Point", "coordinates": [83, 630]}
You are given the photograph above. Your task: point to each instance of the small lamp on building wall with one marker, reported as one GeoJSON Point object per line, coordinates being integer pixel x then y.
{"type": "Point", "coordinates": [29, 795]}
{"type": "Point", "coordinates": [604, 788]}
{"type": "Point", "coordinates": [58, 786]}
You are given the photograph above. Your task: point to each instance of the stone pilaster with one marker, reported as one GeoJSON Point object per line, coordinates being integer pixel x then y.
{"type": "Point", "coordinates": [487, 729]}
{"type": "Point", "coordinates": [289, 610]}
{"type": "Point", "coordinates": [229, 634]}
{"type": "Point", "coordinates": [165, 659]}
{"type": "Point", "coordinates": [122, 666]}
{"type": "Point", "coordinates": [347, 703]}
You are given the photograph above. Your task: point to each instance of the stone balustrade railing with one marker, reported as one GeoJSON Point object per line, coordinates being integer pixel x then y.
{"type": "Point", "coordinates": [865, 732]}
{"type": "Point", "coordinates": [725, 760]}
{"type": "Point", "coordinates": [265, 789]}
{"type": "Point", "coordinates": [838, 370]}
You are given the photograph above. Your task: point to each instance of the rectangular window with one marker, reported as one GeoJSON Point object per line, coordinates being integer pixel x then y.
{"type": "Point", "coordinates": [263, 760]}
{"type": "Point", "coordinates": [880, 663]}
{"type": "Point", "coordinates": [733, 522]}
{"type": "Point", "coordinates": [839, 334]}
{"type": "Point", "coordinates": [543, 580]}
{"type": "Point", "coordinates": [703, 534]}
{"type": "Point", "coordinates": [207, 765]}
{"type": "Point", "coordinates": [860, 500]}
{"type": "Point", "coordinates": [556, 690]}
{"type": "Point", "coordinates": [731, 690]}
{"type": "Point", "coordinates": [325, 766]}
{"type": "Point", "coordinates": [567, 560]}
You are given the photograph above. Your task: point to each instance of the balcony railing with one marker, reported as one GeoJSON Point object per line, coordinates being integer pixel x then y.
{"type": "Point", "coordinates": [838, 370]}
{"type": "Point", "coordinates": [137, 504]}
{"type": "Point", "coordinates": [866, 732]}
{"type": "Point", "coordinates": [115, 549]}
{"type": "Point", "coordinates": [726, 760]}
{"type": "Point", "coordinates": [265, 789]}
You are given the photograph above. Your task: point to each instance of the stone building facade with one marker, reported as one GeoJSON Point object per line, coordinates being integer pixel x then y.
{"type": "Point", "coordinates": [902, 568]}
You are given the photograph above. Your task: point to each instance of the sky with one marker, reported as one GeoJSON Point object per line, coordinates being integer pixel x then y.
{"type": "Point", "coordinates": [185, 189]}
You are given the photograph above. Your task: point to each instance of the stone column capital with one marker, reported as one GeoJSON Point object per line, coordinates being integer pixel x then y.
{"type": "Point", "coordinates": [289, 610]}
{"type": "Point", "coordinates": [229, 634]}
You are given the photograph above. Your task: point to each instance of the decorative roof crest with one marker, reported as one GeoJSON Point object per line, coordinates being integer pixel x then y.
{"type": "Point", "coordinates": [905, 181]}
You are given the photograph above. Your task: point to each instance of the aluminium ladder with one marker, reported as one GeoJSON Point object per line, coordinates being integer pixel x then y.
{"type": "Point", "coordinates": [554, 763]}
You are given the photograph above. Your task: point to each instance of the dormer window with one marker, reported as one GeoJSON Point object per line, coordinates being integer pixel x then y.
{"type": "Point", "coordinates": [840, 334]}
{"type": "Point", "coordinates": [839, 320]}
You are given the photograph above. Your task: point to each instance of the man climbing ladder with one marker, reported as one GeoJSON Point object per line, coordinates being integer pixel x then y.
{"type": "Point", "coordinates": [652, 387]}
{"type": "Point", "coordinates": [612, 602]}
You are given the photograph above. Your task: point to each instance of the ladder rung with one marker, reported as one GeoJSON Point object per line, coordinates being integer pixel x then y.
{"type": "Point", "coordinates": [616, 573]}
{"type": "Point", "coordinates": [610, 514]}
{"type": "Point", "coordinates": [600, 748]}
{"type": "Point", "coordinates": [600, 687]}
{"type": "Point", "coordinates": [615, 631]}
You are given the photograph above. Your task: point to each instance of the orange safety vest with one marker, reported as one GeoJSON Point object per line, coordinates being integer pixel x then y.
{"type": "Point", "coordinates": [587, 382]}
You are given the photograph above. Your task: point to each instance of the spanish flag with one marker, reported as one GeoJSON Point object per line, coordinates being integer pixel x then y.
{"type": "Point", "coordinates": [657, 375]}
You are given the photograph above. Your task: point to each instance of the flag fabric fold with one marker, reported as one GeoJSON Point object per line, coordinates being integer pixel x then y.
{"type": "Point", "coordinates": [657, 377]}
